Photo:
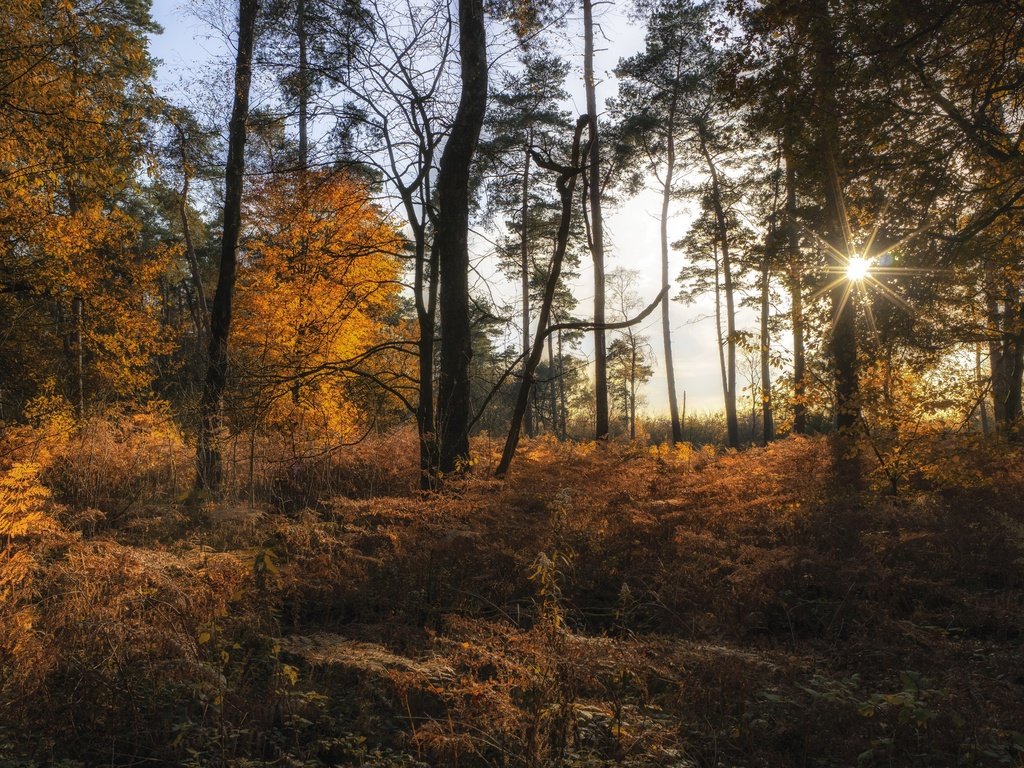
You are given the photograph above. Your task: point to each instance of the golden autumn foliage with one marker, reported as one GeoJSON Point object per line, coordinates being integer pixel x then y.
{"type": "Point", "coordinates": [74, 82]}
{"type": "Point", "coordinates": [318, 291]}
{"type": "Point", "coordinates": [28, 525]}
{"type": "Point", "coordinates": [611, 605]}
{"type": "Point", "coordinates": [23, 503]}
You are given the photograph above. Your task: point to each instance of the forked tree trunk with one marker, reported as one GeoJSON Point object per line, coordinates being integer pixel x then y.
{"type": "Point", "coordinates": [566, 184]}
{"type": "Point", "coordinates": [208, 459]}
{"type": "Point", "coordinates": [452, 237]}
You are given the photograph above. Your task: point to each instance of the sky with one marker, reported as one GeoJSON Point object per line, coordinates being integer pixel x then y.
{"type": "Point", "coordinates": [191, 48]}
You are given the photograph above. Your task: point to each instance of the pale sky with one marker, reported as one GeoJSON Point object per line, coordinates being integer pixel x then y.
{"type": "Point", "coordinates": [192, 50]}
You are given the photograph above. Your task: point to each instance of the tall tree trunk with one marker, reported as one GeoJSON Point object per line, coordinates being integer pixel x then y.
{"type": "Point", "coordinates": [563, 409]}
{"type": "Point", "coordinates": [666, 328]}
{"type": "Point", "coordinates": [982, 404]}
{"type": "Point", "coordinates": [767, 418]}
{"type": "Point", "coordinates": [718, 324]}
{"type": "Point", "coordinates": [722, 225]}
{"type": "Point", "coordinates": [303, 76]}
{"type": "Point", "coordinates": [553, 386]}
{"type": "Point", "coordinates": [426, 312]}
{"type": "Point", "coordinates": [202, 307]}
{"type": "Point", "coordinates": [753, 412]}
{"type": "Point", "coordinates": [1013, 329]}
{"type": "Point", "coordinates": [78, 319]}
{"type": "Point", "coordinates": [632, 384]}
{"type": "Point", "coordinates": [300, 33]}
{"type": "Point", "coordinates": [997, 359]}
{"type": "Point", "coordinates": [796, 290]}
{"type": "Point", "coordinates": [524, 257]}
{"type": "Point", "coordinates": [425, 287]}
{"type": "Point", "coordinates": [208, 460]}
{"type": "Point", "coordinates": [452, 235]}
{"type": "Point", "coordinates": [596, 227]}
{"type": "Point", "coordinates": [844, 340]}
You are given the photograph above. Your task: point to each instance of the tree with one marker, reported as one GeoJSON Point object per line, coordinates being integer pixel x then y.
{"type": "Point", "coordinates": [675, 104]}
{"type": "Point", "coordinates": [208, 460]}
{"type": "Point", "coordinates": [706, 273]}
{"type": "Point", "coordinates": [629, 355]}
{"type": "Point", "coordinates": [592, 194]}
{"type": "Point", "coordinates": [310, 43]}
{"type": "Point", "coordinates": [763, 192]}
{"type": "Point", "coordinates": [722, 235]}
{"type": "Point", "coordinates": [188, 154]}
{"type": "Point", "coordinates": [525, 114]}
{"type": "Point", "coordinates": [402, 101]}
{"type": "Point", "coordinates": [451, 239]}
{"type": "Point", "coordinates": [567, 175]}
{"type": "Point", "coordinates": [654, 86]}
{"type": "Point", "coordinates": [317, 305]}
{"type": "Point", "coordinates": [767, 416]}
{"type": "Point", "coordinates": [796, 291]}
{"type": "Point", "coordinates": [843, 345]}
{"type": "Point", "coordinates": [77, 281]}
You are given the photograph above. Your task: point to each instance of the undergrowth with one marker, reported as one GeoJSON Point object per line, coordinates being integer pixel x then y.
{"type": "Point", "coordinates": [607, 605]}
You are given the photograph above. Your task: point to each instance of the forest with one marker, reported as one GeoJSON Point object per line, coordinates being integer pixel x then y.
{"type": "Point", "coordinates": [344, 383]}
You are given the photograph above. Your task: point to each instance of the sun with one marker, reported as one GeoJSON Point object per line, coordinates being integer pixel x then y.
{"type": "Point", "coordinates": [857, 268]}
{"type": "Point", "coordinates": [861, 275]}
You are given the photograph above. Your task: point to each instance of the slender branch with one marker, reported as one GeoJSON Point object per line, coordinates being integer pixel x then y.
{"type": "Point", "coordinates": [585, 326]}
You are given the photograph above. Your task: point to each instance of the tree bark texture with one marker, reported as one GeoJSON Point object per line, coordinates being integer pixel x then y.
{"type": "Point", "coordinates": [209, 472]}
{"type": "Point", "coordinates": [453, 389]}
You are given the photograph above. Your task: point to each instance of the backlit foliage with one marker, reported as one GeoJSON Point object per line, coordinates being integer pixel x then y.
{"type": "Point", "coordinates": [318, 291]}
{"type": "Point", "coordinates": [636, 603]}
{"type": "Point", "coordinates": [912, 405]}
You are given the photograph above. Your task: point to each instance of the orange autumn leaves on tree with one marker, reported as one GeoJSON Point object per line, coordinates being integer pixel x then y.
{"type": "Point", "coordinates": [318, 294]}
{"type": "Point", "coordinates": [74, 79]}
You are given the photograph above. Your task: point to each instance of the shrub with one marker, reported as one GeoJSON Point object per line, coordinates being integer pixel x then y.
{"type": "Point", "coordinates": [118, 462]}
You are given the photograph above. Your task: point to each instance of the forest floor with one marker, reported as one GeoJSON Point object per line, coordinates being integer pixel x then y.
{"type": "Point", "coordinates": [602, 607]}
